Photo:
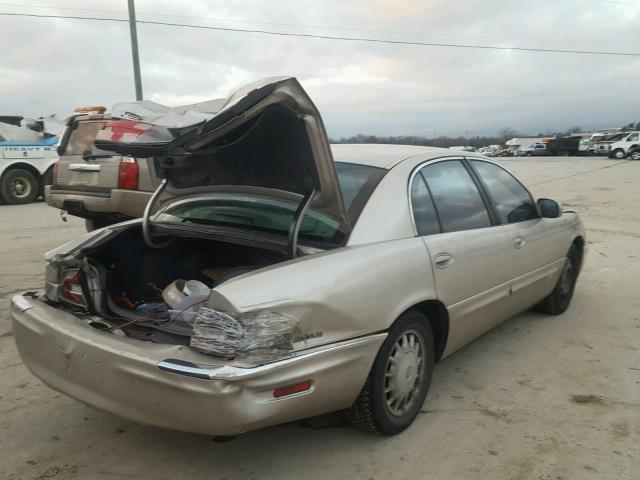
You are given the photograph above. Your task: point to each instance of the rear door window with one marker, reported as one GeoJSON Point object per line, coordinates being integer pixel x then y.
{"type": "Point", "coordinates": [512, 201]}
{"type": "Point", "coordinates": [424, 212]}
{"type": "Point", "coordinates": [81, 140]}
{"type": "Point", "coordinates": [457, 199]}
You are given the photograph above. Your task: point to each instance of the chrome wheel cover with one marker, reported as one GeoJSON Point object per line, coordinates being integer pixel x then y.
{"type": "Point", "coordinates": [404, 373]}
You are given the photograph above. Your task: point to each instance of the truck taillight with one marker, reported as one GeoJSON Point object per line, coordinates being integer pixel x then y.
{"type": "Point", "coordinates": [128, 172]}
{"type": "Point", "coordinates": [71, 288]}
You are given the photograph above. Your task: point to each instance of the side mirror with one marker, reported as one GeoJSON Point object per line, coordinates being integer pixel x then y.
{"type": "Point", "coordinates": [548, 208]}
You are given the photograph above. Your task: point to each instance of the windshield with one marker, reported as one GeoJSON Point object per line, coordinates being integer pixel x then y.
{"type": "Point", "coordinates": [82, 137]}
{"type": "Point", "coordinates": [275, 216]}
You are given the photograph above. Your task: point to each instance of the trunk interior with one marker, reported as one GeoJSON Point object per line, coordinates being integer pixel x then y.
{"type": "Point", "coordinates": [135, 276]}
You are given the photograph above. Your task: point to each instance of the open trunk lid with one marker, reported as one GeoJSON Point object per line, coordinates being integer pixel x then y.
{"type": "Point", "coordinates": [267, 138]}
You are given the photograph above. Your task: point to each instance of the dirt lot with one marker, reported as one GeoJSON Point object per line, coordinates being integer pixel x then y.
{"type": "Point", "coordinates": [536, 398]}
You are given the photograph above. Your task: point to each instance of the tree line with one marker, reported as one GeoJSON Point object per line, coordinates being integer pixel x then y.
{"type": "Point", "coordinates": [444, 141]}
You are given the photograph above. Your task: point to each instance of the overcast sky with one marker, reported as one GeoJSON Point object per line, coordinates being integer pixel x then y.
{"type": "Point", "coordinates": [53, 65]}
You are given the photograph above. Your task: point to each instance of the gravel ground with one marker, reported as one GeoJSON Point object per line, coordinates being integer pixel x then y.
{"type": "Point", "coordinates": [538, 397]}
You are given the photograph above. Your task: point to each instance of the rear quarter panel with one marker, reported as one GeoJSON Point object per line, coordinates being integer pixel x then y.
{"type": "Point", "coordinates": [340, 294]}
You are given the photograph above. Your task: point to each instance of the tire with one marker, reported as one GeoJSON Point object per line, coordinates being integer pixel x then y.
{"type": "Point", "coordinates": [95, 224]}
{"type": "Point", "coordinates": [559, 299]}
{"type": "Point", "coordinates": [18, 187]}
{"type": "Point", "coordinates": [635, 155]}
{"type": "Point", "coordinates": [618, 154]}
{"type": "Point", "coordinates": [409, 338]}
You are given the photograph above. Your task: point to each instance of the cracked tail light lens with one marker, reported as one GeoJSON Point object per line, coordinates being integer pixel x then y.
{"type": "Point", "coordinates": [71, 288]}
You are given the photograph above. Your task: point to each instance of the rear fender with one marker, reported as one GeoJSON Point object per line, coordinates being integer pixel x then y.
{"type": "Point", "coordinates": [337, 295]}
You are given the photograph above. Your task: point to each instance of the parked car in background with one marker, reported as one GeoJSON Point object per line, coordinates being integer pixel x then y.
{"type": "Point", "coordinates": [261, 216]}
{"type": "Point", "coordinates": [27, 157]}
{"type": "Point", "coordinates": [536, 149]}
{"type": "Point", "coordinates": [104, 188]}
{"type": "Point", "coordinates": [621, 148]}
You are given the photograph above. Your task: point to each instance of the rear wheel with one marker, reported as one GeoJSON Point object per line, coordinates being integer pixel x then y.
{"type": "Point", "coordinates": [558, 301]}
{"type": "Point", "coordinates": [399, 379]}
{"type": "Point", "coordinates": [18, 187]}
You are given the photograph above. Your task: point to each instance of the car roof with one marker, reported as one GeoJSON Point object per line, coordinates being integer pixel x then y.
{"type": "Point", "coordinates": [384, 155]}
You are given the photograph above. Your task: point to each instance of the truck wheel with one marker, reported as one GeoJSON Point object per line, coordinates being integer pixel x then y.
{"type": "Point", "coordinates": [399, 379]}
{"type": "Point", "coordinates": [18, 187]}
{"type": "Point", "coordinates": [618, 154]}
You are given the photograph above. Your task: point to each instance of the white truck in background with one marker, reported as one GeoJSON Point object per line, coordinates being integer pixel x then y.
{"type": "Point", "coordinates": [27, 156]}
{"type": "Point", "coordinates": [621, 148]}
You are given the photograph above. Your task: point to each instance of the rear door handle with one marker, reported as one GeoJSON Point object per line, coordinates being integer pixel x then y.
{"type": "Point", "coordinates": [519, 242]}
{"type": "Point", "coordinates": [443, 260]}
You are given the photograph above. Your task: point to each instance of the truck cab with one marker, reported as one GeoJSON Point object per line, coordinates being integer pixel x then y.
{"type": "Point", "coordinates": [620, 149]}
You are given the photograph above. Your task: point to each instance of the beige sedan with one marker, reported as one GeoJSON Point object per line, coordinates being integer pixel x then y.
{"type": "Point", "coordinates": [282, 278]}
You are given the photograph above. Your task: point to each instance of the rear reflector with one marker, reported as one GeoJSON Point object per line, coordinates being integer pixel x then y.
{"type": "Point", "coordinates": [128, 174]}
{"type": "Point", "coordinates": [292, 389]}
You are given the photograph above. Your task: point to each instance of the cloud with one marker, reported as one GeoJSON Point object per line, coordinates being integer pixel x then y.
{"type": "Point", "coordinates": [54, 65]}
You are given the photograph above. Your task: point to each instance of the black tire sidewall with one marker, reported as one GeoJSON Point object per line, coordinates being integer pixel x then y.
{"type": "Point", "coordinates": [5, 189]}
{"type": "Point", "coordinates": [386, 422]}
{"type": "Point", "coordinates": [564, 302]}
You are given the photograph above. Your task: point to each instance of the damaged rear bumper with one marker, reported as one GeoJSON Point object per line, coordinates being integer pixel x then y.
{"type": "Point", "coordinates": [174, 387]}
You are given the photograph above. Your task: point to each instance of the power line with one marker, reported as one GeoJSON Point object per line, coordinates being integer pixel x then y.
{"type": "Point", "coordinates": [298, 25]}
{"type": "Point", "coordinates": [336, 38]}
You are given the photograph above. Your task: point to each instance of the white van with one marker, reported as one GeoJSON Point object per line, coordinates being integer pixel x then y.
{"type": "Point", "coordinates": [620, 149]}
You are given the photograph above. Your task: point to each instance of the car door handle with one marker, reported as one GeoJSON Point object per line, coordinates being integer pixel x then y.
{"type": "Point", "coordinates": [519, 242]}
{"type": "Point", "coordinates": [443, 260]}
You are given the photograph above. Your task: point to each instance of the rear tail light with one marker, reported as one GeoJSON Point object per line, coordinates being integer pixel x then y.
{"type": "Point", "coordinates": [128, 173]}
{"type": "Point", "coordinates": [71, 288]}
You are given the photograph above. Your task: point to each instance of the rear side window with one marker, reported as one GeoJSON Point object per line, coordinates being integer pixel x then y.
{"type": "Point", "coordinates": [82, 137]}
{"type": "Point", "coordinates": [456, 196]}
{"type": "Point", "coordinates": [424, 213]}
{"type": "Point", "coordinates": [512, 201]}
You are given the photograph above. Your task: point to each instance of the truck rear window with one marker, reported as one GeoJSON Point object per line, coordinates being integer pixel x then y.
{"type": "Point", "coordinates": [81, 140]}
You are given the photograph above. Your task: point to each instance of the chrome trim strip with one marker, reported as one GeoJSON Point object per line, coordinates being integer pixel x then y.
{"type": "Point", "coordinates": [84, 167]}
{"type": "Point", "coordinates": [233, 373]}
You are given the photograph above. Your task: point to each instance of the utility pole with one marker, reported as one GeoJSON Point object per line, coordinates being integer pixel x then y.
{"type": "Point", "coordinates": [134, 49]}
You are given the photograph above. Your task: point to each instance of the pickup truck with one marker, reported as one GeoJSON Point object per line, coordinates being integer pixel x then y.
{"type": "Point", "coordinates": [622, 147]}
